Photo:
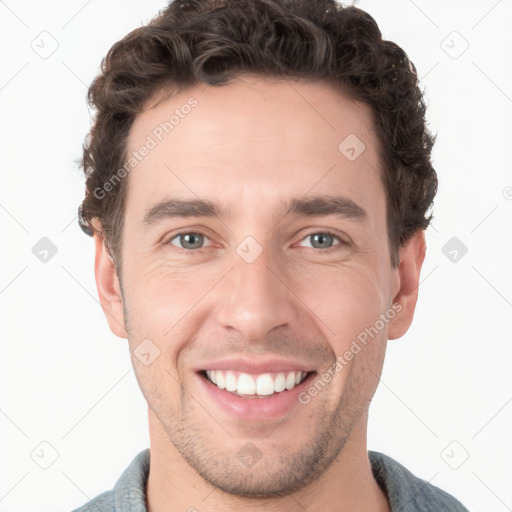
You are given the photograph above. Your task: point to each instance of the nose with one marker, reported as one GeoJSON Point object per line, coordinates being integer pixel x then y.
{"type": "Point", "coordinates": [254, 299]}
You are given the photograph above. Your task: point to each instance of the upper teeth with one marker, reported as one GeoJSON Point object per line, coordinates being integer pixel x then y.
{"type": "Point", "coordinates": [263, 384]}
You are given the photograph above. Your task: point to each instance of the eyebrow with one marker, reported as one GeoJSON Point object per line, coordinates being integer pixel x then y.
{"type": "Point", "coordinates": [339, 206]}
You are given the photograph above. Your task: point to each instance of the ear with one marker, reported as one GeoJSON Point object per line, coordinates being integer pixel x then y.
{"type": "Point", "coordinates": [407, 278]}
{"type": "Point", "coordinates": [109, 290]}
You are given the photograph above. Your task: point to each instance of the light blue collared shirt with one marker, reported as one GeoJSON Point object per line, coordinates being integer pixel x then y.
{"type": "Point", "coordinates": [405, 492]}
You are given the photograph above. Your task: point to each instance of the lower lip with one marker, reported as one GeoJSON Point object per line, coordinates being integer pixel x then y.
{"type": "Point", "coordinates": [270, 408]}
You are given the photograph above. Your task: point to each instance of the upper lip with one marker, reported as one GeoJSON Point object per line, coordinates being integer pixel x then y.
{"type": "Point", "coordinates": [256, 367]}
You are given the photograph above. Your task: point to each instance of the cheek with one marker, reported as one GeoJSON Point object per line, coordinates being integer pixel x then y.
{"type": "Point", "coordinates": [344, 300]}
{"type": "Point", "coordinates": [163, 304]}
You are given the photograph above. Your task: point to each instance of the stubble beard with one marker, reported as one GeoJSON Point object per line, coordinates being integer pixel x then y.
{"type": "Point", "coordinates": [274, 474]}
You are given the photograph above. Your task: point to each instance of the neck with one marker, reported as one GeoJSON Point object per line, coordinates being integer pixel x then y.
{"type": "Point", "coordinates": [346, 485]}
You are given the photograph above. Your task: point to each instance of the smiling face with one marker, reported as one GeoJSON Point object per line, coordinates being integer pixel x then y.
{"type": "Point", "coordinates": [254, 254]}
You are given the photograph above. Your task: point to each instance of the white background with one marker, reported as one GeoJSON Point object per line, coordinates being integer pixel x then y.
{"type": "Point", "coordinates": [446, 389]}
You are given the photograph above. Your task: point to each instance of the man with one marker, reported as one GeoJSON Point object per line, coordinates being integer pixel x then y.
{"type": "Point", "coordinates": [258, 178]}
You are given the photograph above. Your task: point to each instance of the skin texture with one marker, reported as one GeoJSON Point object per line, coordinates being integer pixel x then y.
{"type": "Point", "coordinates": [252, 145]}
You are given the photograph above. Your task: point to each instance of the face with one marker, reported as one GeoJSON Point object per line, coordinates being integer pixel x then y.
{"type": "Point", "coordinates": [254, 255]}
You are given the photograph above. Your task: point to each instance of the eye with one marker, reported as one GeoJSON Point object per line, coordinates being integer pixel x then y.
{"type": "Point", "coordinates": [188, 240]}
{"type": "Point", "coordinates": [323, 240]}
{"type": "Point", "coordinates": [193, 241]}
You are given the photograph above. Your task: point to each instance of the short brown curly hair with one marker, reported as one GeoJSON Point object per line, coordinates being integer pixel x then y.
{"type": "Point", "coordinates": [212, 41]}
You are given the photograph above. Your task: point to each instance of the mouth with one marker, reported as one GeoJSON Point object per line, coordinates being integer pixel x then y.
{"type": "Point", "coordinates": [253, 392]}
{"type": "Point", "coordinates": [262, 385]}
{"type": "Point", "coordinates": [256, 396]}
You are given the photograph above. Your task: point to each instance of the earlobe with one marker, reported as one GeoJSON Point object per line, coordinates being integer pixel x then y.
{"type": "Point", "coordinates": [412, 255]}
{"type": "Point", "coordinates": [109, 290]}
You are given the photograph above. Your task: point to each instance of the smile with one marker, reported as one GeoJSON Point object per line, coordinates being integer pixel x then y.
{"type": "Point", "coordinates": [255, 385]}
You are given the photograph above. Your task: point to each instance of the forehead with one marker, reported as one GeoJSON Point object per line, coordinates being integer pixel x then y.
{"type": "Point", "coordinates": [251, 139]}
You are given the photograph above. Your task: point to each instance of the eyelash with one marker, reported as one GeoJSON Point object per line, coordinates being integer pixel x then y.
{"type": "Point", "coordinates": [191, 252]}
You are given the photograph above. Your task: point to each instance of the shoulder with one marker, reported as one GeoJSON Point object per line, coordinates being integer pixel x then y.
{"type": "Point", "coordinates": [407, 492]}
{"type": "Point", "coordinates": [129, 493]}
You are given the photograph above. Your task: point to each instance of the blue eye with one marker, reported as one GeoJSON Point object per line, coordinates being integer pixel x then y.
{"type": "Point", "coordinates": [323, 240]}
{"type": "Point", "coordinates": [189, 240]}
